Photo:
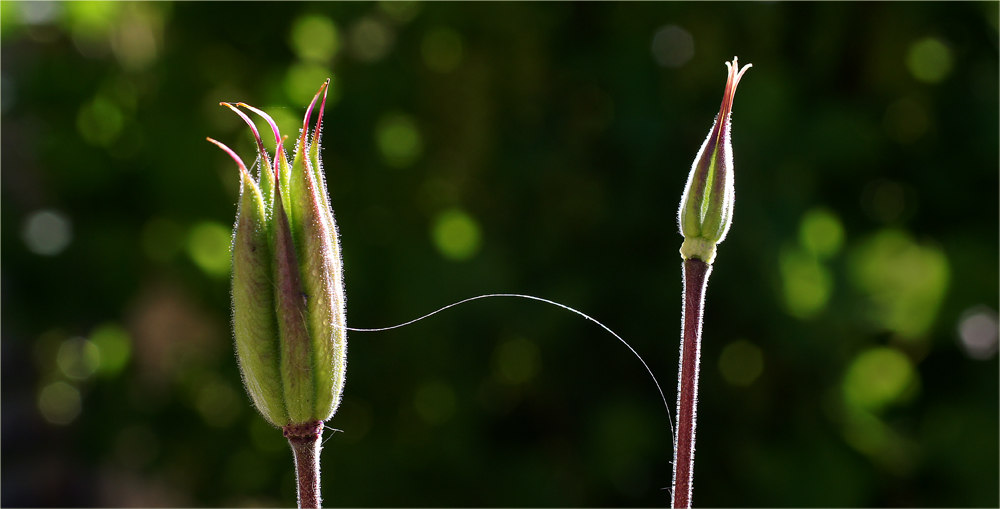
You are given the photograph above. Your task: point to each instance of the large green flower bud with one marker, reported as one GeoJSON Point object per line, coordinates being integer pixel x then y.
{"type": "Point", "coordinates": [288, 293]}
{"type": "Point", "coordinates": [706, 209]}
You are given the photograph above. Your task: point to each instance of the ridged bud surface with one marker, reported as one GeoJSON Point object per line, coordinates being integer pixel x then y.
{"type": "Point", "coordinates": [706, 208]}
{"type": "Point", "coordinates": [287, 287]}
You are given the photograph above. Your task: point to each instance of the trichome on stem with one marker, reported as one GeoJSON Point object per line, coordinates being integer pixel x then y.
{"type": "Point", "coordinates": [704, 217]}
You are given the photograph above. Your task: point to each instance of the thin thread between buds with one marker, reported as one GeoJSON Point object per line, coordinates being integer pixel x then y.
{"type": "Point", "coordinates": [547, 301]}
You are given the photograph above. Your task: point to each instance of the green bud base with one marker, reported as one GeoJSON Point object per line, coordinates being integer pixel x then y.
{"type": "Point", "coordinates": [697, 247]}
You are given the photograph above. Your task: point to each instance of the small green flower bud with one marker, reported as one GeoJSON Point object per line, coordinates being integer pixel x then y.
{"type": "Point", "coordinates": [706, 209]}
{"type": "Point", "coordinates": [288, 294]}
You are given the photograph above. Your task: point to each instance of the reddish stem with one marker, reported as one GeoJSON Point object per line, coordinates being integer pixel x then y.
{"type": "Point", "coordinates": [304, 439]}
{"type": "Point", "coordinates": [696, 274]}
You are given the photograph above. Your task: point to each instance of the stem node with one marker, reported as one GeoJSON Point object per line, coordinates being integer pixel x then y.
{"type": "Point", "coordinates": [305, 441]}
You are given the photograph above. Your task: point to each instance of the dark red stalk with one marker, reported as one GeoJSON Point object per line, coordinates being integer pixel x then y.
{"type": "Point", "coordinates": [304, 439]}
{"type": "Point", "coordinates": [696, 274]}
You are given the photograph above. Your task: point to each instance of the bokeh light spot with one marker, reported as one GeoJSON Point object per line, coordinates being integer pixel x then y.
{"type": "Point", "coordinates": [741, 363]}
{"type": "Point", "coordinates": [821, 233]}
{"type": "Point", "coordinates": [442, 50]}
{"type": "Point", "coordinates": [59, 403]}
{"type": "Point", "coordinates": [398, 140]}
{"type": "Point", "coordinates": [867, 434]}
{"type": "Point", "coordinates": [137, 36]}
{"type": "Point", "coordinates": [878, 377]}
{"type": "Point", "coordinates": [47, 232]}
{"type": "Point", "coordinates": [456, 235]}
{"type": "Point", "coordinates": [91, 23]}
{"type": "Point", "coordinates": [314, 38]}
{"type": "Point", "coordinates": [370, 39]}
{"type": "Point", "coordinates": [78, 358]}
{"type": "Point", "coordinates": [10, 18]}
{"type": "Point", "coordinates": [115, 347]}
{"type": "Point", "coordinates": [92, 16]}
{"type": "Point", "coordinates": [977, 332]}
{"type": "Point", "coordinates": [401, 11]}
{"type": "Point", "coordinates": [435, 402]}
{"type": "Point", "coordinates": [929, 60]}
{"type": "Point", "coordinates": [807, 284]}
{"type": "Point", "coordinates": [99, 122]}
{"type": "Point", "coordinates": [517, 361]}
{"type": "Point", "coordinates": [304, 79]}
{"type": "Point", "coordinates": [672, 46]}
{"type": "Point", "coordinates": [39, 13]}
{"type": "Point", "coordinates": [208, 245]}
{"type": "Point", "coordinates": [905, 281]}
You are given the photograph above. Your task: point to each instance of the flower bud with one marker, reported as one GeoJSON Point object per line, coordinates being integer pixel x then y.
{"type": "Point", "coordinates": [288, 294]}
{"type": "Point", "coordinates": [707, 203]}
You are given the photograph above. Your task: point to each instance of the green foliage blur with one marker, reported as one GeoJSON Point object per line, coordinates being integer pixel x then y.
{"type": "Point", "coordinates": [851, 321]}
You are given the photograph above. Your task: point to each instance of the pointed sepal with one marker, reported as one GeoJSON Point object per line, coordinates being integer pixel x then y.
{"type": "Point", "coordinates": [254, 318]}
{"type": "Point", "coordinates": [304, 278]}
{"type": "Point", "coordinates": [706, 207]}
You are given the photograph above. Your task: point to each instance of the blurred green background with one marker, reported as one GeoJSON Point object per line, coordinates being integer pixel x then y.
{"type": "Point", "coordinates": [851, 336]}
